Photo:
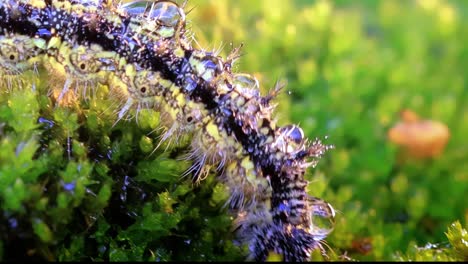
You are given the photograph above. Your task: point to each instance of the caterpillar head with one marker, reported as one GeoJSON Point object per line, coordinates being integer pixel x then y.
{"type": "Point", "coordinates": [78, 66]}
{"type": "Point", "coordinates": [91, 62]}
{"type": "Point", "coordinates": [17, 54]}
{"type": "Point", "coordinates": [81, 62]}
{"type": "Point", "coordinates": [293, 242]}
{"type": "Point", "coordinates": [143, 86]}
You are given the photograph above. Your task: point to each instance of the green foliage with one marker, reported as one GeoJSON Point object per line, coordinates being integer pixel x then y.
{"type": "Point", "coordinates": [456, 251]}
{"type": "Point", "coordinates": [458, 238]}
{"type": "Point", "coordinates": [75, 185]}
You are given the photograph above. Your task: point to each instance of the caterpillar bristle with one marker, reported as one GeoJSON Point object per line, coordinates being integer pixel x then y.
{"type": "Point", "coordinates": [142, 51]}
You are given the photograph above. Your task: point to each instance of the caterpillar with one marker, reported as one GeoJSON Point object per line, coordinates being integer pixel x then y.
{"type": "Point", "coordinates": [142, 51]}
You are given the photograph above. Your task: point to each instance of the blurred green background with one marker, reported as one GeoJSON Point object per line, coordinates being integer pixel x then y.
{"type": "Point", "coordinates": [351, 67]}
{"type": "Point", "coordinates": [76, 186]}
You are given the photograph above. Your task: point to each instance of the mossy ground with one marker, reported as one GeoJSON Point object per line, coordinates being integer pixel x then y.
{"type": "Point", "coordinates": [76, 187]}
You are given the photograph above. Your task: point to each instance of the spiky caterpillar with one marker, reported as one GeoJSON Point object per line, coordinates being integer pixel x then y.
{"type": "Point", "coordinates": [141, 51]}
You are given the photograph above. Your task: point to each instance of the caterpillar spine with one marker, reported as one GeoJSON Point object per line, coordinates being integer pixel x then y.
{"type": "Point", "coordinates": [142, 52]}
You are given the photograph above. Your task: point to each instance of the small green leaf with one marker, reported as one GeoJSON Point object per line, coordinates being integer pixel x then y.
{"type": "Point", "coordinates": [42, 230]}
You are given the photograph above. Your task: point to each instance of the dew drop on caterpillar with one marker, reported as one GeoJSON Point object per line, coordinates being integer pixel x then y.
{"type": "Point", "coordinates": [142, 52]}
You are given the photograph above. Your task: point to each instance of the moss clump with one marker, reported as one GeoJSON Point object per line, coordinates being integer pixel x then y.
{"type": "Point", "coordinates": [77, 186]}
{"type": "Point", "coordinates": [457, 250]}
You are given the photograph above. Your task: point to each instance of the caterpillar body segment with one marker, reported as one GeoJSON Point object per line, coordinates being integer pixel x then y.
{"type": "Point", "coordinates": [18, 54]}
{"type": "Point", "coordinates": [142, 52]}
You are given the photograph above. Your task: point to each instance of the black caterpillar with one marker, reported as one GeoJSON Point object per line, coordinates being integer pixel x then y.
{"type": "Point", "coordinates": [142, 52]}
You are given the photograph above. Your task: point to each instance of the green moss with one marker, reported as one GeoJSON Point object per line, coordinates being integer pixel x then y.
{"type": "Point", "coordinates": [458, 238]}
{"type": "Point", "coordinates": [42, 231]}
{"type": "Point", "coordinates": [457, 250]}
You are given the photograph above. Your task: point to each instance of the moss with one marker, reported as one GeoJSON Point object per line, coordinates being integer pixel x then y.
{"type": "Point", "coordinates": [456, 250]}
{"type": "Point", "coordinates": [76, 185]}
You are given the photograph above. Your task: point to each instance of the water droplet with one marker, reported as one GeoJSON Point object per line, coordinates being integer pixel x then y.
{"type": "Point", "coordinates": [167, 14]}
{"type": "Point", "coordinates": [284, 208]}
{"type": "Point", "coordinates": [69, 187]}
{"type": "Point", "coordinates": [132, 214]}
{"type": "Point", "coordinates": [295, 134]}
{"type": "Point", "coordinates": [102, 249]}
{"type": "Point", "coordinates": [247, 84]}
{"type": "Point", "coordinates": [44, 33]}
{"type": "Point", "coordinates": [19, 148]}
{"type": "Point", "coordinates": [250, 149]}
{"type": "Point", "coordinates": [211, 66]}
{"type": "Point", "coordinates": [189, 84]}
{"type": "Point", "coordinates": [48, 123]}
{"type": "Point", "coordinates": [109, 154]}
{"type": "Point", "coordinates": [243, 80]}
{"type": "Point", "coordinates": [13, 222]}
{"type": "Point", "coordinates": [322, 219]}
{"type": "Point", "coordinates": [123, 196]}
{"type": "Point", "coordinates": [135, 8]}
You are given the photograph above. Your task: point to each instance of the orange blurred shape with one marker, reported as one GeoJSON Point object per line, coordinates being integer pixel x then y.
{"type": "Point", "coordinates": [68, 100]}
{"type": "Point", "coordinates": [421, 138]}
{"type": "Point", "coordinates": [362, 245]}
